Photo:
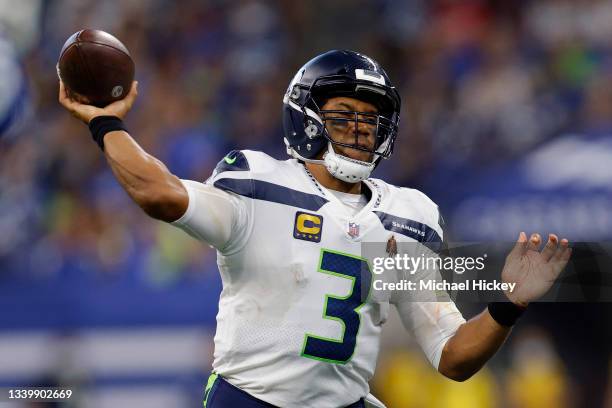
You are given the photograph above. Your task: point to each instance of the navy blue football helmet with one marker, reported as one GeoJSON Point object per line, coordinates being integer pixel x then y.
{"type": "Point", "coordinates": [339, 73]}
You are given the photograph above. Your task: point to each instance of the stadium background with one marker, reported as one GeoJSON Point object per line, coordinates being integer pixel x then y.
{"type": "Point", "coordinates": [506, 124]}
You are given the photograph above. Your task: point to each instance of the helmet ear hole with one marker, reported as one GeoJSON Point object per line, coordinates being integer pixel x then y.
{"type": "Point", "coordinates": [312, 129]}
{"type": "Point", "coordinates": [295, 93]}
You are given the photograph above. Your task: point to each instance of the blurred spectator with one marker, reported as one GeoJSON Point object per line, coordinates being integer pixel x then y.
{"type": "Point", "coordinates": [404, 379]}
{"type": "Point", "coordinates": [537, 376]}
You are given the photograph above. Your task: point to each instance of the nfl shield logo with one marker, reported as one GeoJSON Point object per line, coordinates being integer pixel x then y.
{"type": "Point", "coordinates": [353, 229]}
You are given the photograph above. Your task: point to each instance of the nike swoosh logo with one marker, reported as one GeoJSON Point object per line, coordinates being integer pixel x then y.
{"type": "Point", "coordinates": [229, 161]}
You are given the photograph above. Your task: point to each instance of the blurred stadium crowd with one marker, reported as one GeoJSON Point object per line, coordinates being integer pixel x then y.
{"type": "Point", "coordinates": [483, 83]}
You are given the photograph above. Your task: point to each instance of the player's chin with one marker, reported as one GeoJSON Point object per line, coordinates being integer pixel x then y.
{"type": "Point", "coordinates": [356, 154]}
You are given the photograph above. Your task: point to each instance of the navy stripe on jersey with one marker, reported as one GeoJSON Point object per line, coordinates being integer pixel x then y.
{"type": "Point", "coordinates": [410, 228]}
{"type": "Point", "coordinates": [263, 190]}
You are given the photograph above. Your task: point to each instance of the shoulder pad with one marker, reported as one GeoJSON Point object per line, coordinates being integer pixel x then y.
{"type": "Point", "coordinates": [249, 164]}
{"type": "Point", "coordinates": [412, 207]}
{"type": "Point", "coordinates": [261, 163]}
{"type": "Point", "coordinates": [233, 161]}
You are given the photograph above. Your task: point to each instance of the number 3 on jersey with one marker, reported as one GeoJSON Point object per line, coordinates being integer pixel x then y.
{"type": "Point", "coordinates": [344, 310]}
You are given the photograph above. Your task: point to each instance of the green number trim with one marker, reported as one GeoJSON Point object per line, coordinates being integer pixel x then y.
{"type": "Point", "coordinates": [335, 318]}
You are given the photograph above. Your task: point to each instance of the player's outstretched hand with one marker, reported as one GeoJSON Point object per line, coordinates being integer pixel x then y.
{"type": "Point", "coordinates": [534, 271]}
{"type": "Point", "coordinates": [86, 112]}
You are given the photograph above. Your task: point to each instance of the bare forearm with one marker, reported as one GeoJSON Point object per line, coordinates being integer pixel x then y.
{"type": "Point", "coordinates": [157, 191]}
{"type": "Point", "coordinates": [474, 343]}
{"type": "Point", "coordinates": [144, 178]}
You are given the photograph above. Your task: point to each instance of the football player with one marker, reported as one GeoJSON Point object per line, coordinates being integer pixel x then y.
{"type": "Point", "coordinates": [293, 329]}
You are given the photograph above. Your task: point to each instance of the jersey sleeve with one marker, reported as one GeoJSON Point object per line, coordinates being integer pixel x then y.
{"type": "Point", "coordinates": [431, 317]}
{"type": "Point", "coordinates": [215, 215]}
{"type": "Point", "coordinates": [432, 324]}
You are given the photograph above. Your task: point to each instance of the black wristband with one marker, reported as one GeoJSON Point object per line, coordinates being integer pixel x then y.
{"type": "Point", "coordinates": [101, 125]}
{"type": "Point", "coordinates": [505, 313]}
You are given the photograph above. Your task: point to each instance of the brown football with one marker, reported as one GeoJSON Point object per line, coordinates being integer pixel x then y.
{"type": "Point", "coordinates": [95, 67]}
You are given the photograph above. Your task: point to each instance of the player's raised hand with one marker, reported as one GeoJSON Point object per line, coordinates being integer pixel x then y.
{"type": "Point", "coordinates": [86, 113]}
{"type": "Point", "coordinates": [534, 271]}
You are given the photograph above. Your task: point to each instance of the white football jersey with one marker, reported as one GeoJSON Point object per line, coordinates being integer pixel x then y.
{"type": "Point", "coordinates": [293, 328]}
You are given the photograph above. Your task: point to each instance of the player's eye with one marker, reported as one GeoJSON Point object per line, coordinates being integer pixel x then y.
{"type": "Point", "coordinates": [341, 124]}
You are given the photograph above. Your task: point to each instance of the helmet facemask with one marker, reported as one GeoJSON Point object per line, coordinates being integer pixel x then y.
{"type": "Point", "coordinates": [384, 130]}
{"type": "Point", "coordinates": [382, 125]}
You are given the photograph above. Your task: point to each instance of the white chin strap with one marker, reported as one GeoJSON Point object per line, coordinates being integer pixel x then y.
{"type": "Point", "coordinates": [346, 169]}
